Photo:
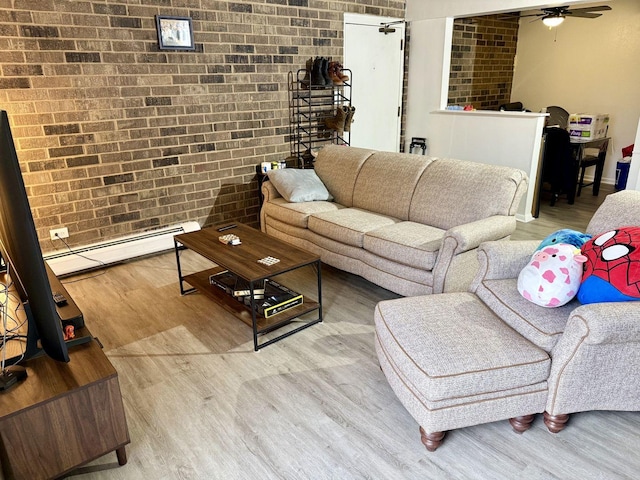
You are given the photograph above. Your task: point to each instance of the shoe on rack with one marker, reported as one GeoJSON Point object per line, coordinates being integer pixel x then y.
{"type": "Point", "coordinates": [306, 81]}
{"type": "Point", "coordinates": [328, 82]}
{"type": "Point", "coordinates": [333, 74]}
{"type": "Point", "coordinates": [338, 120]}
{"type": "Point", "coordinates": [317, 79]}
{"type": "Point", "coordinates": [349, 118]}
{"type": "Point", "coordinates": [323, 132]}
{"type": "Point", "coordinates": [342, 76]}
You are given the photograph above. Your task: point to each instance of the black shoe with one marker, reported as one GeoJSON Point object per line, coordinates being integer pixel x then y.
{"type": "Point", "coordinates": [306, 81]}
{"type": "Point", "coordinates": [317, 79]}
{"type": "Point", "coordinates": [325, 73]}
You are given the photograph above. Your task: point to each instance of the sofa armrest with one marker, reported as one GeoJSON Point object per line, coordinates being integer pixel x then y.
{"type": "Point", "coordinates": [611, 322]}
{"type": "Point", "coordinates": [269, 192]}
{"type": "Point", "coordinates": [471, 235]}
{"type": "Point", "coordinates": [595, 361]}
{"type": "Point", "coordinates": [460, 241]}
{"type": "Point", "coordinates": [502, 260]}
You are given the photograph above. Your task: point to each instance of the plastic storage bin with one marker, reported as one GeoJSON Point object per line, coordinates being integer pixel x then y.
{"type": "Point", "coordinates": [622, 173]}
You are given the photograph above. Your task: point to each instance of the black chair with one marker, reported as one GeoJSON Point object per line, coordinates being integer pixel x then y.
{"type": "Point", "coordinates": [559, 168]}
{"type": "Point", "coordinates": [512, 107]}
{"type": "Point", "coordinates": [597, 161]}
{"type": "Point", "coordinates": [558, 117]}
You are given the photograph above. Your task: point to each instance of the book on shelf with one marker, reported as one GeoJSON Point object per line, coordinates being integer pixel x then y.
{"type": "Point", "coordinates": [278, 299]}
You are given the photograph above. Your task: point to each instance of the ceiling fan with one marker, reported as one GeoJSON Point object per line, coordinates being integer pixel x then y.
{"type": "Point", "coordinates": [554, 16]}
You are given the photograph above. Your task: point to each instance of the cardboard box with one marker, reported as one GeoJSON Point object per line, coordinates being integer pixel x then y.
{"type": "Point", "coordinates": [588, 126]}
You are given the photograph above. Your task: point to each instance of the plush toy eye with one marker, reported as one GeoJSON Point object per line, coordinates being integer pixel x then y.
{"type": "Point", "coordinates": [615, 251]}
{"type": "Point", "coordinates": [602, 239]}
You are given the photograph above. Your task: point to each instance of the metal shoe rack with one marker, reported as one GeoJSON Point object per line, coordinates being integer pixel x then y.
{"type": "Point", "coordinates": [308, 107]}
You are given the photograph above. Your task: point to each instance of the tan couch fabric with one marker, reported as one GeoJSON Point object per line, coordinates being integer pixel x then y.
{"type": "Point", "coordinates": [408, 223]}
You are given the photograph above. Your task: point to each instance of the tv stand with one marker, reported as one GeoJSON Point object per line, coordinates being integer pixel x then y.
{"type": "Point", "coordinates": [62, 415]}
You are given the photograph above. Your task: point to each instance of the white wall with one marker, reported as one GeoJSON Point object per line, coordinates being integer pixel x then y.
{"type": "Point", "coordinates": [585, 66]}
{"type": "Point", "coordinates": [463, 135]}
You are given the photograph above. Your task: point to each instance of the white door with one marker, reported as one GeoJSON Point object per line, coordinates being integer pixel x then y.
{"type": "Point", "coordinates": [376, 60]}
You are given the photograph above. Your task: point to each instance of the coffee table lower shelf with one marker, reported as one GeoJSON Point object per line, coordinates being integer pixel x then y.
{"type": "Point", "coordinates": [200, 282]}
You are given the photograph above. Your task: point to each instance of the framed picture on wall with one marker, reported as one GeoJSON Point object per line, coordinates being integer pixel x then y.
{"type": "Point", "coordinates": [174, 33]}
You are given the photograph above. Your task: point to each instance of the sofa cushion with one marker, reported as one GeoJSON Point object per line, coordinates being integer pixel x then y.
{"type": "Point", "coordinates": [338, 167]}
{"type": "Point", "coordinates": [388, 175]}
{"type": "Point", "coordinates": [408, 243]}
{"type": "Point", "coordinates": [297, 214]}
{"type": "Point", "coordinates": [540, 325]}
{"type": "Point", "coordinates": [298, 185]}
{"type": "Point", "coordinates": [348, 225]}
{"type": "Point", "coordinates": [455, 192]}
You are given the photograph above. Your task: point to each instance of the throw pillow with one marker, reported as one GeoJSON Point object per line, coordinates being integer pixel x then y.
{"type": "Point", "coordinates": [299, 185]}
{"type": "Point", "coordinates": [553, 275]}
{"type": "Point", "coordinates": [612, 271]}
{"type": "Point", "coordinates": [566, 235]}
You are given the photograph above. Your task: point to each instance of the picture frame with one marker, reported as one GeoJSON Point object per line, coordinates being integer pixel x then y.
{"type": "Point", "coordinates": [174, 33]}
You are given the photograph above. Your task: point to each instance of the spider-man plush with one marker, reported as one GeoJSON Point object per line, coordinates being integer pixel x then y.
{"type": "Point", "coordinates": [612, 270]}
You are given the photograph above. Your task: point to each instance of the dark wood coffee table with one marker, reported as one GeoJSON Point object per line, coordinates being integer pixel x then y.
{"type": "Point", "coordinates": [242, 260]}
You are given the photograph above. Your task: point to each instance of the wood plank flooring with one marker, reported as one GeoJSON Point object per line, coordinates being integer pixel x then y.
{"type": "Point", "coordinates": [562, 215]}
{"type": "Point", "coordinates": [202, 405]}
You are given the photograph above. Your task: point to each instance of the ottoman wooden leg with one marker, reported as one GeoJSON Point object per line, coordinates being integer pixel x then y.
{"type": "Point", "coordinates": [555, 423]}
{"type": "Point", "coordinates": [431, 440]}
{"type": "Point", "coordinates": [522, 424]}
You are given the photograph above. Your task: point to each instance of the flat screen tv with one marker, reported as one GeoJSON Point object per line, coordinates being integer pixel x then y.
{"type": "Point", "coordinates": [23, 257]}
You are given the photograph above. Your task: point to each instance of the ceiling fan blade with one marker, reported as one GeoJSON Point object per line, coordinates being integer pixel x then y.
{"type": "Point", "coordinates": [584, 15]}
{"type": "Point", "coordinates": [533, 15]}
{"type": "Point", "coordinates": [601, 8]}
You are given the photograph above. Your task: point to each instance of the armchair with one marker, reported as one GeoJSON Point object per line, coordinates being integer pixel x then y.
{"type": "Point", "coordinates": [594, 348]}
{"type": "Point", "coordinates": [462, 359]}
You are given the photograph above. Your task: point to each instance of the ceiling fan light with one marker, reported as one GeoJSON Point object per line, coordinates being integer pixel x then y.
{"type": "Point", "coordinates": [553, 20]}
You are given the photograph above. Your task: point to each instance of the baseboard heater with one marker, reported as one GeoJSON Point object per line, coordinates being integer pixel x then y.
{"type": "Point", "coordinates": [118, 250]}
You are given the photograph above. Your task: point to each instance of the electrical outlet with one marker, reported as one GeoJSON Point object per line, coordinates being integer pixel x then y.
{"type": "Point", "coordinates": [58, 233]}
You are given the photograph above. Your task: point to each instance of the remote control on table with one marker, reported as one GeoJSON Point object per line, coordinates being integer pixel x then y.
{"type": "Point", "coordinates": [59, 298]}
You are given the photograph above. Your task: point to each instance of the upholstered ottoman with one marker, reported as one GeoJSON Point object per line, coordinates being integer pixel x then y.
{"type": "Point", "coordinates": [452, 363]}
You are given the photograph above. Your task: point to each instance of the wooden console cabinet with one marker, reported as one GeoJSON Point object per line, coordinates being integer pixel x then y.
{"type": "Point", "coordinates": [62, 416]}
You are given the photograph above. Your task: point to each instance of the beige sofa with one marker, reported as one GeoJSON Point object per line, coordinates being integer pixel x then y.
{"type": "Point", "coordinates": [408, 223]}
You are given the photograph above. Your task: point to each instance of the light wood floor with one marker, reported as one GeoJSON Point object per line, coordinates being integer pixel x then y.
{"type": "Point", "coordinates": [202, 405]}
{"type": "Point", "coordinates": [562, 215]}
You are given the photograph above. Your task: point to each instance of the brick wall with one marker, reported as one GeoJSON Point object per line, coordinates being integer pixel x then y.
{"type": "Point", "coordinates": [116, 136]}
{"type": "Point", "coordinates": [482, 55]}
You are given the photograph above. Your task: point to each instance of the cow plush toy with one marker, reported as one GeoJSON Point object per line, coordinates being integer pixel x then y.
{"type": "Point", "coordinates": [552, 276]}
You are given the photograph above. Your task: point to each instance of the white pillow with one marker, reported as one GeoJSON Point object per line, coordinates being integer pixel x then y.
{"type": "Point", "coordinates": [299, 185]}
